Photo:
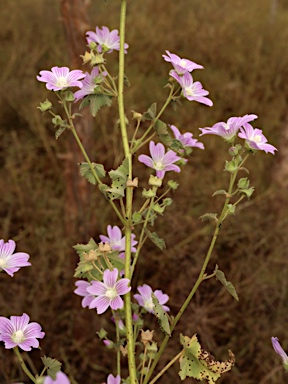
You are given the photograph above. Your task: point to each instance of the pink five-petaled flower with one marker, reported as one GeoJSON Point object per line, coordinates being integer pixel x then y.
{"type": "Point", "coordinates": [90, 83]}
{"type": "Point", "coordinates": [107, 41]}
{"type": "Point", "coordinates": [61, 378]}
{"type": "Point", "coordinates": [113, 380]}
{"type": "Point", "coordinates": [181, 65]}
{"type": "Point", "coordinates": [228, 130]}
{"type": "Point", "coordinates": [145, 298]}
{"type": "Point", "coordinates": [18, 331]}
{"type": "Point", "coordinates": [116, 241]}
{"type": "Point", "coordinates": [61, 78]}
{"type": "Point", "coordinates": [255, 139]}
{"type": "Point", "coordinates": [12, 263]}
{"type": "Point", "coordinates": [108, 292]}
{"type": "Point", "coordinates": [186, 138]}
{"type": "Point", "coordinates": [192, 91]}
{"type": "Point", "coordinates": [278, 349]}
{"type": "Point", "coordinates": [81, 290]}
{"type": "Point", "coordinates": [159, 160]}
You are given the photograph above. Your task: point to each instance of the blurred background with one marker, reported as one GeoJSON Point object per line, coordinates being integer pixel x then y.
{"type": "Point", "coordinates": [46, 208]}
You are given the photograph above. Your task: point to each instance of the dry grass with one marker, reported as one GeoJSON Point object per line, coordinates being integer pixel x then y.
{"type": "Point", "coordinates": [246, 70]}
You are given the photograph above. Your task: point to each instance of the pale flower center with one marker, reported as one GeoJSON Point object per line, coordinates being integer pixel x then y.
{"type": "Point", "coordinates": [18, 336]}
{"type": "Point", "coordinates": [62, 82]}
{"type": "Point", "coordinates": [257, 139]}
{"type": "Point", "coordinates": [2, 262]}
{"type": "Point", "coordinates": [149, 304]}
{"type": "Point", "coordinates": [158, 165]}
{"type": "Point", "coordinates": [183, 63]}
{"type": "Point", "coordinates": [226, 126]}
{"type": "Point", "coordinates": [111, 293]}
{"type": "Point", "coordinates": [189, 91]}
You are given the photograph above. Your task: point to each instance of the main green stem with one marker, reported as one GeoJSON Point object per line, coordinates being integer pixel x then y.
{"type": "Point", "coordinates": [129, 195]}
{"type": "Point", "coordinates": [23, 365]}
{"type": "Point", "coordinates": [201, 275]}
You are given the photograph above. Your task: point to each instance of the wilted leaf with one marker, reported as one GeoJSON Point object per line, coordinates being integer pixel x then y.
{"type": "Point", "coordinates": [227, 284]}
{"type": "Point", "coordinates": [209, 217]}
{"type": "Point", "coordinates": [199, 364]}
{"type": "Point", "coordinates": [160, 243]}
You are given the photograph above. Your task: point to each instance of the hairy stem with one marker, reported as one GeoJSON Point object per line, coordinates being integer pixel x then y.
{"type": "Point", "coordinates": [23, 365]}
{"type": "Point", "coordinates": [129, 196]}
{"type": "Point", "coordinates": [202, 272]}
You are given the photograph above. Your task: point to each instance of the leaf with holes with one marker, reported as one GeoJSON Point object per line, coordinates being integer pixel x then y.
{"type": "Point", "coordinates": [199, 364]}
{"type": "Point", "coordinates": [119, 179]}
{"type": "Point", "coordinates": [162, 316]}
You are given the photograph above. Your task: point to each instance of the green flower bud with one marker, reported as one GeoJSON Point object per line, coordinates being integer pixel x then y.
{"type": "Point", "coordinates": [173, 184]}
{"type": "Point", "coordinates": [155, 181]}
{"type": "Point", "coordinates": [45, 106]}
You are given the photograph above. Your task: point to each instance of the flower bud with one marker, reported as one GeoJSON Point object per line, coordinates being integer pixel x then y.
{"type": "Point", "coordinates": [45, 106]}
{"type": "Point", "coordinates": [155, 181]}
{"type": "Point", "coordinates": [233, 151]}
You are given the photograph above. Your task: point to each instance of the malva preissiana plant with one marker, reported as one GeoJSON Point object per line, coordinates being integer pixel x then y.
{"type": "Point", "coordinates": [107, 265]}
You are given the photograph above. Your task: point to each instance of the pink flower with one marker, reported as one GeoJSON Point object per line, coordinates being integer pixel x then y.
{"type": "Point", "coordinates": [81, 290]}
{"type": "Point", "coordinates": [186, 139]}
{"type": "Point", "coordinates": [17, 332]}
{"type": "Point", "coordinates": [255, 139]}
{"type": "Point", "coordinates": [108, 292]}
{"type": "Point", "coordinates": [228, 130]}
{"type": "Point", "coordinates": [61, 78]}
{"type": "Point", "coordinates": [181, 66]}
{"type": "Point", "coordinates": [113, 380]}
{"type": "Point", "coordinates": [192, 91]}
{"type": "Point", "coordinates": [278, 349]}
{"type": "Point", "coordinates": [107, 41]}
{"type": "Point", "coordinates": [116, 241]}
{"type": "Point", "coordinates": [12, 263]}
{"type": "Point", "coordinates": [159, 160]}
{"type": "Point", "coordinates": [90, 84]}
{"type": "Point", "coordinates": [61, 378]}
{"type": "Point", "coordinates": [145, 298]}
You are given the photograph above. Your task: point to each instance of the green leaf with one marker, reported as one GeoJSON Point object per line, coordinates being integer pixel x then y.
{"type": "Point", "coordinates": [119, 179]}
{"type": "Point", "coordinates": [162, 316]}
{"type": "Point", "coordinates": [96, 102]}
{"type": "Point", "coordinates": [85, 248]}
{"type": "Point", "coordinates": [157, 208]}
{"type": "Point", "coordinates": [136, 217]}
{"type": "Point", "coordinates": [199, 364]}
{"type": "Point", "coordinates": [227, 284]}
{"type": "Point", "coordinates": [86, 172]}
{"type": "Point", "coordinates": [59, 131]}
{"type": "Point", "coordinates": [53, 366]}
{"type": "Point", "coordinates": [230, 209]}
{"type": "Point", "coordinates": [160, 243]}
{"type": "Point", "coordinates": [151, 113]}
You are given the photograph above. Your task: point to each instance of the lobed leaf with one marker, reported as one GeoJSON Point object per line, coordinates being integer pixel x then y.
{"type": "Point", "coordinates": [86, 171]}
{"type": "Point", "coordinates": [53, 366]}
{"type": "Point", "coordinates": [200, 364]}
